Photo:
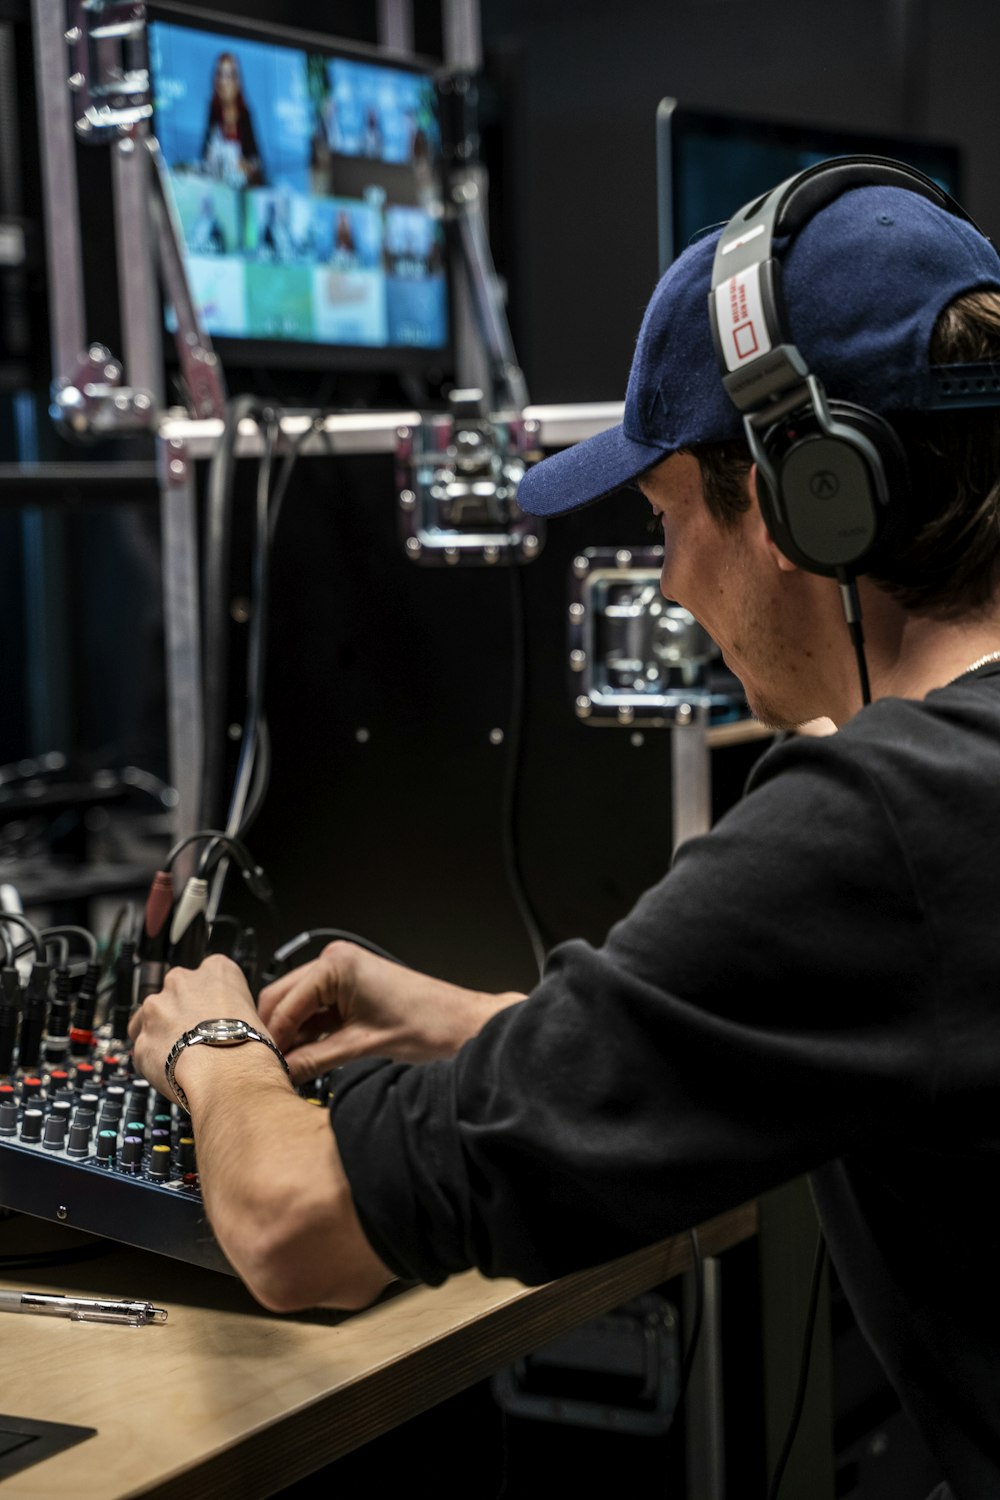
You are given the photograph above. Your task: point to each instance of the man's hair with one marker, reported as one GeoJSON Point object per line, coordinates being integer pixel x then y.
{"type": "Point", "coordinates": [944, 559]}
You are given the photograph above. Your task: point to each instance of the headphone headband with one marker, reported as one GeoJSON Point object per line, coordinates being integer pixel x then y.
{"type": "Point", "coordinates": [746, 307]}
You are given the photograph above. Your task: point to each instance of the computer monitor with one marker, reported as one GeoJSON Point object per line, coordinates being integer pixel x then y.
{"type": "Point", "coordinates": [710, 164]}
{"type": "Point", "coordinates": [307, 181]}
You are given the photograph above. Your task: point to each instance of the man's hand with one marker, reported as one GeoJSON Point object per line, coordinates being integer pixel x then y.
{"type": "Point", "coordinates": [350, 1003]}
{"type": "Point", "coordinates": [274, 1188]}
{"type": "Point", "coordinates": [217, 988]}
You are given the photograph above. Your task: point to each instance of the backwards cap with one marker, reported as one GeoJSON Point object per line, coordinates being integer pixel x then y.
{"type": "Point", "coordinates": [864, 282]}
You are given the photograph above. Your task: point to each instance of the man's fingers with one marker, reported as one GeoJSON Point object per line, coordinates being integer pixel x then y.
{"type": "Point", "coordinates": [306, 998]}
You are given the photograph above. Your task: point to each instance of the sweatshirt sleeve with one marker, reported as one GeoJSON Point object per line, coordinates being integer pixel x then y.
{"type": "Point", "coordinates": [759, 1012]}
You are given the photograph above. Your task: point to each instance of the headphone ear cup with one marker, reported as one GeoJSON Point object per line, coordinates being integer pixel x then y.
{"type": "Point", "coordinates": [837, 497]}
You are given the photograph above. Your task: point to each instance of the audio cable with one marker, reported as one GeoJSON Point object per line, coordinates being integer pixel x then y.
{"type": "Point", "coordinates": [819, 1262]}
{"type": "Point", "coordinates": [852, 614]}
{"type": "Point", "coordinates": [512, 776]}
{"type": "Point", "coordinates": [19, 920]}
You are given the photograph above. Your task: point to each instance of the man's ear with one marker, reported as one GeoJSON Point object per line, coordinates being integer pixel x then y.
{"type": "Point", "coordinates": [782, 563]}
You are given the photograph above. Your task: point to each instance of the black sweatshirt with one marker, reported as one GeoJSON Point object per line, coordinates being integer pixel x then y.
{"type": "Point", "coordinates": [813, 987]}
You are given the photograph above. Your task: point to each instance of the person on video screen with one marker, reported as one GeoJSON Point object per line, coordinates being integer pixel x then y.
{"type": "Point", "coordinates": [230, 149]}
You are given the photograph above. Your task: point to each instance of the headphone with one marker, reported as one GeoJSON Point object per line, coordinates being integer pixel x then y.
{"type": "Point", "coordinates": [832, 476]}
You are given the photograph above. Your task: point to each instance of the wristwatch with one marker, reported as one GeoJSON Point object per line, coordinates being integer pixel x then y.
{"type": "Point", "coordinates": [220, 1033]}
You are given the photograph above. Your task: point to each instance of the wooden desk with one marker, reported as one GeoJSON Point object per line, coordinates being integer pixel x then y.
{"type": "Point", "coordinates": [226, 1399]}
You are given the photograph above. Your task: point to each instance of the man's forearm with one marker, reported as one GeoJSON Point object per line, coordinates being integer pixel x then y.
{"type": "Point", "coordinates": [274, 1187]}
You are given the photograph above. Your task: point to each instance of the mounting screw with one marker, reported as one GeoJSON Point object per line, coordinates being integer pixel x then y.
{"type": "Point", "coordinates": [576, 611]}
{"type": "Point", "coordinates": [496, 736]}
{"type": "Point", "coordinates": [685, 713]}
{"type": "Point", "coordinates": [491, 553]}
{"type": "Point", "coordinates": [403, 433]}
{"type": "Point", "coordinates": [578, 660]}
{"type": "Point", "coordinates": [530, 544]}
{"type": "Point", "coordinates": [76, 82]}
{"type": "Point", "coordinates": [451, 555]}
{"type": "Point", "coordinates": [623, 557]}
{"type": "Point", "coordinates": [362, 736]}
{"type": "Point", "coordinates": [531, 426]}
{"type": "Point", "coordinates": [126, 146]}
{"type": "Point", "coordinates": [62, 1212]}
{"type": "Point", "coordinates": [637, 739]}
{"type": "Point", "coordinates": [584, 708]}
{"type": "Point", "coordinates": [581, 566]}
{"type": "Point", "coordinates": [626, 714]}
{"type": "Point", "coordinates": [407, 499]}
{"type": "Point", "coordinates": [413, 547]}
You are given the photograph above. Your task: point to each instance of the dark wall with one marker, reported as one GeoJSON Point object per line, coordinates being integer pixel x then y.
{"type": "Point", "coordinates": [576, 84]}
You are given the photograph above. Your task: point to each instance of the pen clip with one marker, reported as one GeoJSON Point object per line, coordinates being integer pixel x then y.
{"type": "Point", "coordinates": [98, 1315]}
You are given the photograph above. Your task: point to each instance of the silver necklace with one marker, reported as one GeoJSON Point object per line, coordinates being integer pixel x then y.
{"type": "Point", "coordinates": [979, 662]}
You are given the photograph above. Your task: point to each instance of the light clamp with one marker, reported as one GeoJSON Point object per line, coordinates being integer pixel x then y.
{"type": "Point", "coordinates": [635, 658]}
{"type": "Point", "coordinates": [458, 474]}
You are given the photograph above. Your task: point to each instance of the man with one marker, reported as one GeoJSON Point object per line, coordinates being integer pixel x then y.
{"type": "Point", "coordinates": [812, 986]}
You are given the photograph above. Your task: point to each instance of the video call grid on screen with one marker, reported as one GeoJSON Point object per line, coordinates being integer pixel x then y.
{"type": "Point", "coordinates": [307, 187]}
{"type": "Point", "coordinates": [710, 164]}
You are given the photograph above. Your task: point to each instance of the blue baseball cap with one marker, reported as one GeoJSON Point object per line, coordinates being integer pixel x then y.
{"type": "Point", "coordinates": [864, 282]}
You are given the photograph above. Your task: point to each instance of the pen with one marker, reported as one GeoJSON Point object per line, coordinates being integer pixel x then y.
{"type": "Point", "coordinates": [83, 1309]}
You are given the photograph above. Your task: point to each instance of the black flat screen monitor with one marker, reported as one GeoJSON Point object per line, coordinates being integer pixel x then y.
{"type": "Point", "coordinates": [307, 182]}
{"type": "Point", "coordinates": [710, 164]}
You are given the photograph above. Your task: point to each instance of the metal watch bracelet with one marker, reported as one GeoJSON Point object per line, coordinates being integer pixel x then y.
{"type": "Point", "coordinates": [213, 1034]}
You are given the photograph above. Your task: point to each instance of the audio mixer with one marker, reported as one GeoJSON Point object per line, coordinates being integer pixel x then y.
{"type": "Point", "coordinates": [84, 1141]}
{"type": "Point", "coordinates": [95, 1148]}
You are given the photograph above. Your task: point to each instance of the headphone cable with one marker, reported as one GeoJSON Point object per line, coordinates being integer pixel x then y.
{"type": "Point", "coordinates": [852, 614]}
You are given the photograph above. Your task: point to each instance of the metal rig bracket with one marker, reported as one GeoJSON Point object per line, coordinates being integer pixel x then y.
{"type": "Point", "coordinates": [457, 479]}
{"type": "Point", "coordinates": [636, 659]}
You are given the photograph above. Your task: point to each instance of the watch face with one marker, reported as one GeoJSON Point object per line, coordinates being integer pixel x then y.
{"type": "Point", "coordinates": [224, 1033]}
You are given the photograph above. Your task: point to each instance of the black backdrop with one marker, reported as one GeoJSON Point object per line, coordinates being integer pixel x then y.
{"type": "Point", "coordinates": [388, 795]}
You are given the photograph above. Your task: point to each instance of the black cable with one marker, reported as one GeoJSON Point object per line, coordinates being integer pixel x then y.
{"type": "Point", "coordinates": [256, 645]}
{"type": "Point", "coordinates": [698, 1271]}
{"type": "Point", "coordinates": [852, 614]}
{"type": "Point", "coordinates": [215, 587]}
{"type": "Point", "coordinates": [288, 950]}
{"type": "Point", "coordinates": [512, 775]}
{"type": "Point", "coordinates": [69, 931]}
{"type": "Point", "coordinates": [29, 928]}
{"type": "Point", "coordinates": [261, 777]}
{"type": "Point", "coordinates": [800, 1394]}
{"type": "Point", "coordinates": [55, 1257]}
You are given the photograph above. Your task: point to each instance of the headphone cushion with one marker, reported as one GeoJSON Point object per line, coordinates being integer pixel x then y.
{"type": "Point", "coordinates": [839, 496]}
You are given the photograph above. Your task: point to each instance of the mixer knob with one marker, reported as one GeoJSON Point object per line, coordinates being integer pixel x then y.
{"type": "Point", "coordinates": [159, 1162]}
{"type": "Point", "coordinates": [114, 1098]}
{"type": "Point", "coordinates": [79, 1141]}
{"type": "Point", "coordinates": [31, 1124]}
{"type": "Point", "coordinates": [85, 1076]}
{"type": "Point", "coordinates": [54, 1137]}
{"type": "Point", "coordinates": [131, 1157]}
{"type": "Point", "coordinates": [107, 1142]}
{"type": "Point", "coordinates": [8, 1116]}
{"type": "Point", "coordinates": [31, 1087]}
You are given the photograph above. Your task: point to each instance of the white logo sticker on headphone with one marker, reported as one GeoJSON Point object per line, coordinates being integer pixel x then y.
{"type": "Point", "coordinates": [740, 314]}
